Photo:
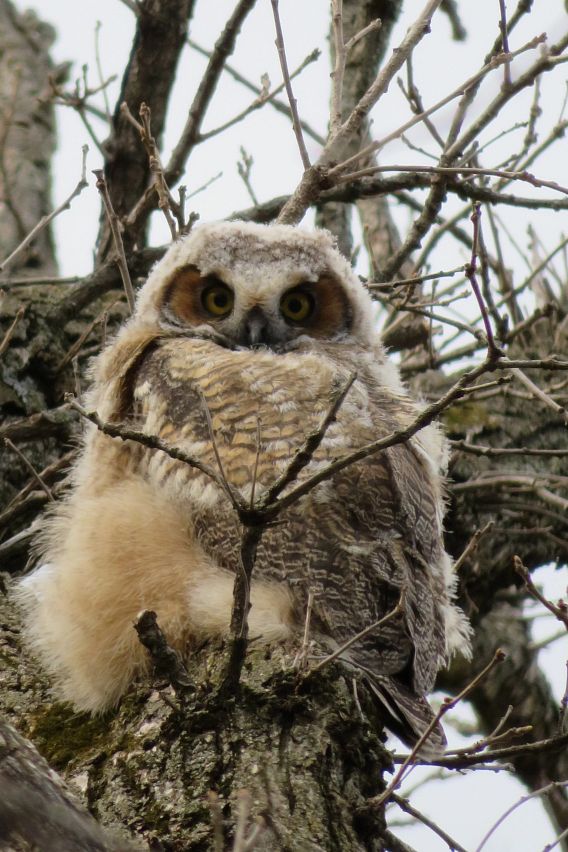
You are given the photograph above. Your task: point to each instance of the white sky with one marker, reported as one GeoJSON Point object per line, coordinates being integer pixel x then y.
{"type": "Point", "coordinates": [467, 805]}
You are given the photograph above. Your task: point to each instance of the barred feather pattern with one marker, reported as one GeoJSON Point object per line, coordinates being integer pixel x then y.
{"type": "Point", "coordinates": [354, 542]}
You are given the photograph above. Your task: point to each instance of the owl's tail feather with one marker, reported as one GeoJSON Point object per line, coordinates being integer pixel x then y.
{"type": "Point", "coordinates": [408, 715]}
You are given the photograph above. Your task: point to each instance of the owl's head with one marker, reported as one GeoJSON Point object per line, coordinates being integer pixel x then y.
{"type": "Point", "coordinates": [246, 285]}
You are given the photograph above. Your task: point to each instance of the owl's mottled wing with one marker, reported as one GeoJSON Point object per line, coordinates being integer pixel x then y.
{"type": "Point", "coordinates": [355, 541]}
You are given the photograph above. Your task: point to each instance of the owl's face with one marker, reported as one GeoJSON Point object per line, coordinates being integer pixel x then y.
{"type": "Point", "coordinates": [245, 285]}
{"type": "Point", "coordinates": [215, 305]}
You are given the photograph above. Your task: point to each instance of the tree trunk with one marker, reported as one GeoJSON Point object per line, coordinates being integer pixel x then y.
{"type": "Point", "coordinates": [308, 753]}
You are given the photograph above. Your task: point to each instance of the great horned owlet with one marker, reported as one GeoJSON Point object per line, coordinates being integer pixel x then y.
{"type": "Point", "coordinates": [261, 324]}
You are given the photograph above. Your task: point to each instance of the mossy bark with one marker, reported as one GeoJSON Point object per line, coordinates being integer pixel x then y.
{"type": "Point", "coordinates": [308, 752]}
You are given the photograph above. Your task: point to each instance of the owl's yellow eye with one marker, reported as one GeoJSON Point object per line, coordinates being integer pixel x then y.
{"type": "Point", "coordinates": [296, 305]}
{"type": "Point", "coordinates": [218, 300]}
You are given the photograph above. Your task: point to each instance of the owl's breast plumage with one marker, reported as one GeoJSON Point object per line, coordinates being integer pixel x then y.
{"type": "Point", "coordinates": [354, 540]}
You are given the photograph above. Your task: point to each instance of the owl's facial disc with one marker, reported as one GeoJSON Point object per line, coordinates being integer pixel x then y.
{"type": "Point", "coordinates": [246, 317]}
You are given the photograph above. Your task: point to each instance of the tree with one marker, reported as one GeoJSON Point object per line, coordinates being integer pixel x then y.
{"type": "Point", "coordinates": [309, 764]}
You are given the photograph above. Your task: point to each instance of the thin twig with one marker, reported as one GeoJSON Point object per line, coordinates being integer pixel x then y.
{"type": "Point", "coordinates": [405, 805]}
{"type": "Point", "coordinates": [337, 75]}
{"type": "Point", "coordinates": [45, 220]}
{"type": "Point", "coordinates": [399, 608]}
{"type": "Point", "coordinates": [8, 283]}
{"type": "Point", "coordinates": [286, 76]}
{"type": "Point", "coordinates": [264, 97]}
{"type": "Point", "coordinates": [278, 105]}
{"type": "Point", "coordinates": [300, 657]}
{"type": "Point", "coordinates": [464, 761]}
{"type": "Point", "coordinates": [472, 546]}
{"type": "Point", "coordinates": [479, 450]}
{"type": "Point", "coordinates": [227, 487]}
{"type": "Point", "coordinates": [447, 705]}
{"type": "Point", "coordinates": [416, 279]}
{"type": "Point", "coordinates": [556, 841]}
{"type": "Point", "coordinates": [304, 454]}
{"type": "Point", "coordinates": [471, 269]}
{"type": "Point", "coordinates": [560, 610]}
{"type": "Point", "coordinates": [166, 203]}
{"type": "Point", "coordinates": [11, 329]}
{"type": "Point", "coordinates": [539, 393]}
{"type": "Point", "coordinates": [45, 474]}
{"type": "Point", "coordinates": [114, 430]}
{"type": "Point", "coordinates": [103, 84]}
{"type": "Point", "coordinates": [256, 461]}
{"type": "Point", "coordinates": [554, 785]}
{"type": "Point", "coordinates": [117, 236]}
{"type": "Point", "coordinates": [505, 43]}
{"type": "Point", "coordinates": [30, 468]}
{"type": "Point", "coordinates": [75, 348]}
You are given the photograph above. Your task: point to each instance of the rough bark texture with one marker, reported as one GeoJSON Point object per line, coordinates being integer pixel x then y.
{"type": "Point", "coordinates": [308, 757]}
{"type": "Point", "coordinates": [27, 136]}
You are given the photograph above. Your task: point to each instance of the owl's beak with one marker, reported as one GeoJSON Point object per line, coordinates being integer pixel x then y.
{"type": "Point", "coordinates": [255, 327]}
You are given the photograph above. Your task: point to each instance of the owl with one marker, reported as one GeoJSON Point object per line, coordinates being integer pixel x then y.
{"type": "Point", "coordinates": [245, 332]}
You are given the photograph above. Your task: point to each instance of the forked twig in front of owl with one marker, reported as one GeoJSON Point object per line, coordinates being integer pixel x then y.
{"type": "Point", "coordinates": [304, 454]}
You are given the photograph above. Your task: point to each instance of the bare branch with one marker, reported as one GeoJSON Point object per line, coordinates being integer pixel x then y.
{"type": "Point", "coordinates": [447, 705]}
{"type": "Point", "coordinates": [394, 613]}
{"type": "Point", "coordinates": [31, 468]}
{"type": "Point", "coordinates": [560, 610]}
{"type": "Point", "coordinates": [114, 430]}
{"type": "Point", "coordinates": [117, 236]}
{"type": "Point", "coordinates": [554, 785]}
{"type": "Point", "coordinates": [405, 805]}
{"type": "Point", "coordinates": [286, 76]}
